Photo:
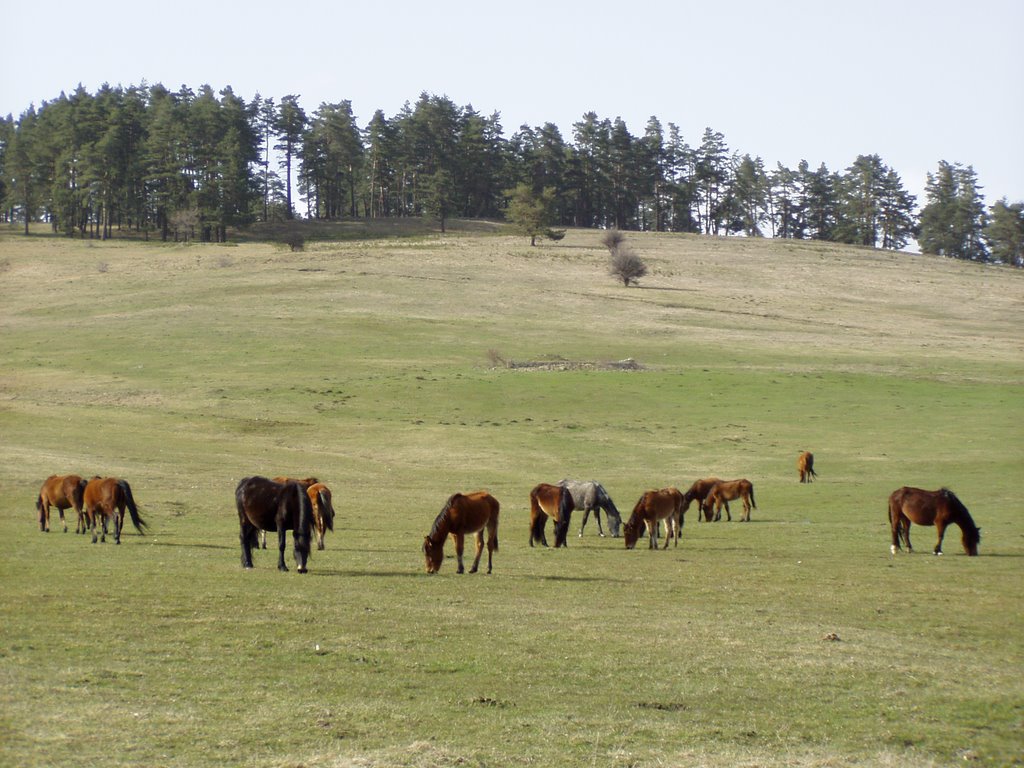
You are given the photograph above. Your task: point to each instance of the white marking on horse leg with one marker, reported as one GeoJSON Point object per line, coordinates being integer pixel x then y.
{"type": "Point", "coordinates": [892, 548]}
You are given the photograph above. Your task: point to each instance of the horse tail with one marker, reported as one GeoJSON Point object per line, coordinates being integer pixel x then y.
{"type": "Point", "coordinates": [752, 502]}
{"type": "Point", "coordinates": [133, 510]}
{"type": "Point", "coordinates": [326, 509]}
{"type": "Point", "coordinates": [494, 517]}
{"type": "Point", "coordinates": [537, 520]}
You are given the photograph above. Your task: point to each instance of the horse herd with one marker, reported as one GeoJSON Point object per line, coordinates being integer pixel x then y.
{"type": "Point", "coordinates": [304, 506]}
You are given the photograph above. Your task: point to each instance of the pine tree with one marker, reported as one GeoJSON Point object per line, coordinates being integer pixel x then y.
{"type": "Point", "coordinates": [953, 218]}
{"type": "Point", "coordinates": [289, 126]}
{"type": "Point", "coordinates": [1005, 232]}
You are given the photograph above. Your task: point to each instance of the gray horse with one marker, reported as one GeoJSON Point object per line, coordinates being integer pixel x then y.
{"type": "Point", "coordinates": [590, 496]}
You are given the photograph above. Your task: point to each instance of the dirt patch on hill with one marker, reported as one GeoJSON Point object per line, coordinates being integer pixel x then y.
{"type": "Point", "coordinates": [562, 364]}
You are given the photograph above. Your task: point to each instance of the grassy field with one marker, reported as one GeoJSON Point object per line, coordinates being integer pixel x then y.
{"type": "Point", "coordinates": [401, 369]}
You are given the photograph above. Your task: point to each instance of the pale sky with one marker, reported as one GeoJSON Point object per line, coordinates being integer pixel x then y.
{"type": "Point", "coordinates": [914, 81]}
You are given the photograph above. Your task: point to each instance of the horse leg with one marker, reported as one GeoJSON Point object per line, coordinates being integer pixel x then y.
{"type": "Point", "coordinates": [597, 517]}
{"type": "Point", "coordinates": [905, 528]}
{"type": "Point", "coordinates": [44, 518]}
{"type": "Point", "coordinates": [728, 514]}
{"type": "Point", "coordinates": [282, 541]}
{"type": "Point", "coordinates": [586, 514]}
{"type": "Point", "coordinates": [940, 528]}
{"type": "Point", "coordinates": [492, 541]}
{"type": "Point", "coordinates": [62, 520]}
{"type": "Point", "coordinates": [460, 542]}
{"type": "Point", "coordinates": [247, 536]}
{"type": "Point", "coordinates": [746, 510]}
{"type": "Point", "coordinates": [479, 550]}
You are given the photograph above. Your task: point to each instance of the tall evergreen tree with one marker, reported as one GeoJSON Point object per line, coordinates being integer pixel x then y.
{"type": "Point", "coordinates": [1004, 232]}
{"type": "Point", "coordinates": [289, 126]}
{"type": "Point", "coordinates": [712, 177]}
{"type": "Point", "coordinates": [953, 218]}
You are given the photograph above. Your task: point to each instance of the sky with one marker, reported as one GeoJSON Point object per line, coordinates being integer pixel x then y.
{"type": "Point", "coordinates": [913, 81]}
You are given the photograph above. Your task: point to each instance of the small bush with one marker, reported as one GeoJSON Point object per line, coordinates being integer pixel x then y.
{"type": "Point", "coordinates": [295, 240]}
{"type": "Point", "coordinates": [627, 266]}
{"type": "Point", "coordinates": [613, 240]}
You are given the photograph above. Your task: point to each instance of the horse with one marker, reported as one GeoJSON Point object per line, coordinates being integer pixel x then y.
{"type": "Point", "coordinates": [938, 508]}
{"type": "Point", "coordinates": [62, 492]}
{"type": "Point", "coordinates": [805, 466]}
{"type": "Point", "coordinates": [270, 506]}
{"type": "Point", "coordinates": [590, 496]}
{"type": "Point", "coordinates": [323, 511]}
{"type": "Point", "coordinates": [698, 492]}
{"type": "Point", "coordinates": [550, 501]}
{"type": "Point", "coordinates": [723, 492]}
{"type": "Point", "coordinates": [462, 514]}
{"type": "Point", "coordinates": [653, 507]}
{"type": "Point", "coordinates": [106, 497]}
{"type": "Point", "coordinates": [305, 483]}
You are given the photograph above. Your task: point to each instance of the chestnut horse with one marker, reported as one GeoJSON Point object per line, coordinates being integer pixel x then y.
{"type": "Point", "coordinates": [805, 466]}
{"type": "Point", "coordinates": [62, 492]}
{"type": "Point", "coordinates": [698, 492]}
{"type": "Point", "coordinates": [268, 506]}
{"type": "Point", "coordinates": [938, 508]}
{"type": "Point", "coordinates": [723, 492]}
{"type": "Point", "coordinates": [651, 509]}
{"type": "Point", "coordinates": [305, 483]}
{"type": "Point", "coordinates": [590, 496]}
{"type": "Point", "coordinates": [463, 513]}
{"type": "Point", "coordinates": [106, 497]}
{"type": "Point", "coordinates": [552, 501]}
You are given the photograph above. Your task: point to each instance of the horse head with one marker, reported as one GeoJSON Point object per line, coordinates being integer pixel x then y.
{"type": "Point", "coordinates": [433, 554]}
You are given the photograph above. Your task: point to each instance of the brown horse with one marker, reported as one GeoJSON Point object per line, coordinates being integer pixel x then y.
{"type": "Point", "coordinates": [305, 483]}
{"type": "Point", "coordinates": [650, 510]}
{"type": "Point", "coordinates": [805, 466]}
{"type": "Point", "coordinates": [463, 513]}
{"type": "Point", "coordinates": [108, 497]}
{"type": "Point", "coordinates": [938, 508]}
{"type": "Point", "coordinates": [698, 492]}
{"type": "Point", "coordinates": [268, 506]}
{"type": "Point", "coordinates": [723, 492]}
{"type": "Point", "coordinates": [552, 501]}
{"type": "Point", "coordinates": [62, 492]}
{"type": "Point", "coordinates": [323, 511]}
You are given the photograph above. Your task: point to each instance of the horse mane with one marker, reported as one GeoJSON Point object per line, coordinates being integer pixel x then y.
{"type": "Point", "coordinates": [440, 527]}
{"type": "Point", "coordinates": [972, 533]}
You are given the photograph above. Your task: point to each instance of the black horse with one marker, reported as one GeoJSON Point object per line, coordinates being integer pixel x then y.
{"type": "Point", "coordinates": [269, 506]}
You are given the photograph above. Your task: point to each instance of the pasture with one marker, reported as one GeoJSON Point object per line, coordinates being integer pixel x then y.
{"type": "Point", "coordinates": [402, 369]}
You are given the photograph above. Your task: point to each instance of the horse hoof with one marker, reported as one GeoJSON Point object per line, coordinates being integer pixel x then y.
{"type": "Point", "coordinates": [302, 570]}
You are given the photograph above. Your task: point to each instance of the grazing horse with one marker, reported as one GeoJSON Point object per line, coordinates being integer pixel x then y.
{"type": "Point", "coordinates": [463, 513]}
{"type": "Point", "coordinates": [650, 510]}
{"type": "Point", "coordinates": [590, 496]}
{"type": "Point", "coordinates": [323, 511]}
{"type": "Point", "coordinates": [552, 501]}
{"type": "Point", "coordinates": [305, 483]}
{"type": "Point", "coordinates": [805, 466]}
{"type": "Point", "coordinates": [62, 492]}
{"type": "Point", "coordinates": [106, 497]}
{"type": "Point", "coordinates": [938, 508]}
{"type": "Point", "coordinates": [698, 492]}
{"type": "Point", "coordinates": [723, 492]}
{"type": "Point", "coordinates": [269, 506]}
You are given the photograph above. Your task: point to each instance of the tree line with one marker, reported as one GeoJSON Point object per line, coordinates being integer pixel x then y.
{"type": "Point", "coordinates": [198, 163]}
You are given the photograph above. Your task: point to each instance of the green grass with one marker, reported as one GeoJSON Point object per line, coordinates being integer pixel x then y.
{"type": "Point", "coordinates": [368, 362]}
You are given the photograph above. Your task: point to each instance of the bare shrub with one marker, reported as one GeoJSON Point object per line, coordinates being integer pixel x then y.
{"type": "Point", "coordinates": [626, 266]}
{"type": "Point", "coordinates": [497, 359]}
{"type": "Point", "coordinates": [613, 240]}
{"type": "Point", "coordinates": [294, 239]}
